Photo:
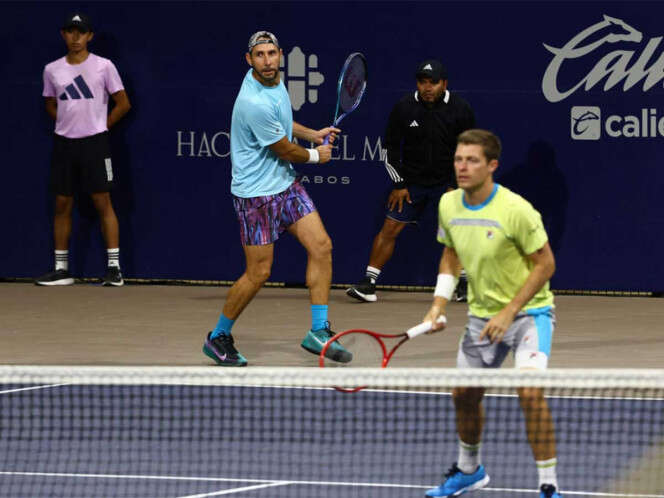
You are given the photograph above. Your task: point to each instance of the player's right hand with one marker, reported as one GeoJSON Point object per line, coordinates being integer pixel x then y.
{"type": "Point", "coordinates": [397, 196]}
{"type": "Point", "coordinates": [432, 316]}
{"type": "Point", "coordinates": [324, 153]}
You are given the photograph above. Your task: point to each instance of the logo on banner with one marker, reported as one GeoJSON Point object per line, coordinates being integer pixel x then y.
{"type": "Point", "coordinates": [208, 144]}
{"type": "Point", "coordinates": [586, 123]}
{"type": "Point", "coordinates": [626, 66]}
{"type": "Point", "coordinates": [301, 77]}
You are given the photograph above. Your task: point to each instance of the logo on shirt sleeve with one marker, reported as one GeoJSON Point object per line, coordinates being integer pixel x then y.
{"type": "Point", "coordinates": [76, 89]}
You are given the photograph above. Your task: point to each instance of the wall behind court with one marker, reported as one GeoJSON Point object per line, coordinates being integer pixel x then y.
{"type": "Point", "coordinates": [574, 94]}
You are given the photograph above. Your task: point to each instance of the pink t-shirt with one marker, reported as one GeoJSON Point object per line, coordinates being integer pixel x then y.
{"type": "Point", "coordinates": [82, 91]}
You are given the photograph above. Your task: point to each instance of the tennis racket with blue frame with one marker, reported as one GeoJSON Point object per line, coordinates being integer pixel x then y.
{"type": "Point", "coordinates": [350, 87]}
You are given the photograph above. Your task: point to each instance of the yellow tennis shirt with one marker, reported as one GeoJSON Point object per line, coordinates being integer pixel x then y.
{"type": "Point", "coordinates": [492, 240]}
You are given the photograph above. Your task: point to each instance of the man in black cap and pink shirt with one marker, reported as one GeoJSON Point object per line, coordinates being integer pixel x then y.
{"type": "Point", "coordinates": [421, 140]}
{"type": "Point", "coordinates": [76, 89]}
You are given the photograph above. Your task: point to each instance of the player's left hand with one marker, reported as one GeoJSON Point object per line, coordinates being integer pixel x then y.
{"type": "Point", "coordinates": [497, 326]}
{"type": "Point", "coordinates": [319, 136]}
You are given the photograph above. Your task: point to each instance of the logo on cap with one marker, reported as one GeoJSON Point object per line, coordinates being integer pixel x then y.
{"type": "Point", "coordinates": [76, 18]}
{"type": "Point", "coordinates": [428, 66]}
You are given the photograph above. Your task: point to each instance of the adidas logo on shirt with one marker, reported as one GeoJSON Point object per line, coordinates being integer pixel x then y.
{"type": "Point", "coordinates": [73, 89]}
{"type": "Point", "coordinates": [413, 124]}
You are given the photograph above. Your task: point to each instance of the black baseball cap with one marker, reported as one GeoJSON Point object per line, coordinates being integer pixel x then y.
{"type": "Point", "coordinates": [431, 68]}
{"type": "Point", "coordinates": [78, 20]}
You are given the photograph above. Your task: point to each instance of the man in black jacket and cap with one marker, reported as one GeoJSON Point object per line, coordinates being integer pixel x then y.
{"type": "Point", "coordinates": [420, 139]}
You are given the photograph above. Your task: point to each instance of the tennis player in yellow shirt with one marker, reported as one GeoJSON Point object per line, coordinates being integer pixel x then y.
{"type": "Point", "coordinates": [499, 238]}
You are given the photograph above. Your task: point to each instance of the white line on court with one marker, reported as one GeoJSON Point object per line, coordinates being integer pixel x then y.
{"type": "Point", "coordinates": [273, 482]}
{"type": "Point", "coordinates": [33, 387]}
{"type": "Point", "coordinates": [238, 490]}
{"type": "Point", "coordinates": [131, 476]}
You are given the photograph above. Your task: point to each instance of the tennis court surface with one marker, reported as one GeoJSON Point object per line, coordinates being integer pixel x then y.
{"type": "Point", "coordinates": [284, 432]}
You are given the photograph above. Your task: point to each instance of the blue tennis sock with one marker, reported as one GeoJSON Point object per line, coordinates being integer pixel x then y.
{"type": "Point", "coordinates": [318, 316]}
{"type": "Point", "coordinates": [224, 326]}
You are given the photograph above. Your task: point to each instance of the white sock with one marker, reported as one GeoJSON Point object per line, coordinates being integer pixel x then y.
{"type": "Point", "coordinates": [547, 471]}
{"type": "Point", "coordinates": [114, 257]}
{"type": "Point", "coordinates": [61, 260]}
{"type": "Point", "coordinates": [469, 457]}
{"type": "Point", "coordinates": [373, 273]}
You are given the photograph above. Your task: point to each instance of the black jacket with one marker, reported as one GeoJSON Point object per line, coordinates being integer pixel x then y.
{"type": "Point", "coordinates": [421, 141]}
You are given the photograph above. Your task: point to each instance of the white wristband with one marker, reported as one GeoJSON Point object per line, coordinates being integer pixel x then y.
{"type": "Point", "coordinates": [314, 157]}
{"type": "Point", "coordinates": [445, 286]}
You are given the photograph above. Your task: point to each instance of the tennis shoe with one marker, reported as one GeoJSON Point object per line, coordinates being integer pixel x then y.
{"type": "Point", "coordinates": [315, 340]}
{"type": "Point", "coordinates": [57, 277]}
{"type": "Point", "coordinates": [458, 483]}
{"type": "Point", "coordinates": [365, 291]}
{"type": "Point", "coordinates": [113, 277]}
{"type": "Point", "coordinates": [549, 491]}
{"type": "Point", "coordinates": [222, 350]}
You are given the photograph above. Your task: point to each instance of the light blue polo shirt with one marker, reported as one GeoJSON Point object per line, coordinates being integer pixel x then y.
{"type": "Point", "coordinates": [262, 115]}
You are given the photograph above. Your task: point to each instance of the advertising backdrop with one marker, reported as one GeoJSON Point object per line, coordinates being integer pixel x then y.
{"type": "Point", "coordinates": [574, 90]}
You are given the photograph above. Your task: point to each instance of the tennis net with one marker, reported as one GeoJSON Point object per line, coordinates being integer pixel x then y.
{"type": "Point", "coordinates": [285, 432]}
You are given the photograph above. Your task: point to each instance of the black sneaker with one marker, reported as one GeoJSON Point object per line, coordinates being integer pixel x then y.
{"type": "Point", "coordinates": [57, 277]}
{"type": "Point", "coordinates": [364, 291]}
{"type": "Point", "coordinates": [461, 292]}
{"type": "Point", "coordinates": [113, 277]}
{"type": "Point", "coordinates": [222, 350]}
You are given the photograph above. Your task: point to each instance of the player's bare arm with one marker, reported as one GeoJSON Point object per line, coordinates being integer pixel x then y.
{"type": "Point", "coordinates": [294, 153]}
{"type": "Point", "coordinates": [315, 136]}
{"type": "Point", "coordinates": [120, 108]}
{"type": "Point", "coordinates": [449, 265]}
{"type": "Point", "coordinates": [51, 106]}
{"type": "Point", "coordinates": [543, 269]}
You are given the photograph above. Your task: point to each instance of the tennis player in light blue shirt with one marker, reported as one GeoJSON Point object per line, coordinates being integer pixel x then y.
{"type": "Point", "coordinates": [269, 200]}
{"type": "Point", "coordinates": [262, 115]}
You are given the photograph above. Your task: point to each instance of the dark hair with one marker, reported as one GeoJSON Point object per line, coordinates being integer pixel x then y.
{"type": "Point", "coordinates": [489, 142]}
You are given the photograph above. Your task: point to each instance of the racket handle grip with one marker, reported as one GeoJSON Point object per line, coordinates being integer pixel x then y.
{"type": "Point", "coordinates": [424, 327]}
{"type": "Point", "coordinates": [326, 140]}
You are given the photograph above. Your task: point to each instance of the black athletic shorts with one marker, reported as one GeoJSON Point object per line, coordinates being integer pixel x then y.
{"type": "Point", "coordinates": [81, 165]}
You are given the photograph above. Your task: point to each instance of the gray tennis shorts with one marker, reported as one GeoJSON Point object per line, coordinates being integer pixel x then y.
{"type": "Point", "coordinates": [529, 338]}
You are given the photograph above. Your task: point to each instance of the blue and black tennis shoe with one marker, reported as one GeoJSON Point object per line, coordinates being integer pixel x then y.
{"type": "Point", "coordinates": [458, 483]}
{"type": "Point", "coordinates": [222, 350]}
{"type": "Point", "coordinates": [315, 340]}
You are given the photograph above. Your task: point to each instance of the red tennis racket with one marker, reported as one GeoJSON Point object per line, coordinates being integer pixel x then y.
{"type": "Point", "coordinates": [369, 348]}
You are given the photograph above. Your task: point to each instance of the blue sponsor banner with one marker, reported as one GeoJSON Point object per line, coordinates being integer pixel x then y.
{"type": "Point", "coordinates": [573, 90]}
